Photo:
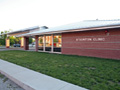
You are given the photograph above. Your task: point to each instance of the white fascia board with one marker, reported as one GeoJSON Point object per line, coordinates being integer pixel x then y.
{"type": "Point", "coordinates": [69, 30]}
{"type": "Point", "coordinates": [75, 30]}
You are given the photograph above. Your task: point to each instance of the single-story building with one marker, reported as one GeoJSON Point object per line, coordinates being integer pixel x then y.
{"type": "Point", "coordinates": [96, 38]}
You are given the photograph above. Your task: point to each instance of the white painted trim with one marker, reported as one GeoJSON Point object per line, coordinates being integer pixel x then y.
{"type": "Point", "coordinates": [73, 30]}
{"type": "Point", "coordinates": [44, 38]}
{"type": "Point", "coordinates": [52, 47]}
{"type": "Point", "coordinates": [92, 36]}
{"type": "Point", "coordinates": [92, 48]}
{"type": "Point", "coordinates": [50, 52]}
{"type": "Point", "coordinates": [91, 42]}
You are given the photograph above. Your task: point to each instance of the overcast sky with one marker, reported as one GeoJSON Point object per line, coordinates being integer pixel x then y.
{"type": "Point", "coordinates": [18, 14]}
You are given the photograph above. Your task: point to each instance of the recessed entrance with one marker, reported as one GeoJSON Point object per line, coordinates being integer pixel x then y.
{"type": "Point", "coordinates": [40, 43]}
{"type": "Point", "coordinates": [49, 43]}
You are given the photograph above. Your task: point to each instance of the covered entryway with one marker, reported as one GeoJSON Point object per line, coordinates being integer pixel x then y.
{"type": "Point", "coordinates": [29, 43]}
{"type": "Point", "coordinates": [21, 42]}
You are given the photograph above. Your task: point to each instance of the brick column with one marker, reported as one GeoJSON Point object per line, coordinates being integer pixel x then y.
{"type": "Point", "coordinates": [36, 45]}
{"type": "Point", "coordinates": [7, 43]}
{"type": "Point", "coordinates": [26, 43]}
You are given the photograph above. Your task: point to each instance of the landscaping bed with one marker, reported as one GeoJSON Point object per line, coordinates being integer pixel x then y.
{"type": "Point", "coordinates": [89, 72]}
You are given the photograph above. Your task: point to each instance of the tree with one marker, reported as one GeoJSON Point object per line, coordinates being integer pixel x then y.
{"type": "Point", "coordinates": [2, 38]}
{"type": "Point", "coordinates": [2, 42]}
{"type": "Point", "coordinates": [13, 40]}
{"type": "Point", "coordinates": [30, 40]}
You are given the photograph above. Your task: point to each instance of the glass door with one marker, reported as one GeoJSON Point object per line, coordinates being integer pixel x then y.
{"type": "Point", "coordinates": [48, 43]}
{"type": "Point", "coordinates": [40, 43]}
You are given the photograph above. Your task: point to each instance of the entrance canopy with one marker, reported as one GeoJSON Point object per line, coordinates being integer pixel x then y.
{"type": "Point", "coordinates": [23, 31]}
{"type": "Point", "coordinates": [19, 32]}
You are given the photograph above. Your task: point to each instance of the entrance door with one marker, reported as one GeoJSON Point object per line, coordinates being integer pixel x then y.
{"type": "Point", "coordinates": [48, 43]}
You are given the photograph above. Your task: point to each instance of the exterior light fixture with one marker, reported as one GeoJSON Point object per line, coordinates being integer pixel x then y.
{"type": "Point", "coordinates": [106, 32]}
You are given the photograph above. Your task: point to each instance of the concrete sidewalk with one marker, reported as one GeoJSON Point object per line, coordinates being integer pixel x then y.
{"type": "Point", "coordinates": [31, 80]}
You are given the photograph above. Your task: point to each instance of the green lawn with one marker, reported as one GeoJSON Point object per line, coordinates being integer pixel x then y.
{"type": "Point", "coordinates": [89, 72]}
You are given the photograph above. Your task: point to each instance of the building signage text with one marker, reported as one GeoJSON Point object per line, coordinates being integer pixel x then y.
{"type": "Point", "coordinates": [90, 39]}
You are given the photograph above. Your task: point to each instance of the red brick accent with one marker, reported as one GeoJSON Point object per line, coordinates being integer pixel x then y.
{"type": "Point", "coordinates": [26, 43]}
{"type": "Point", "coordinates": [7, 47]}
{"type": "Point", "coordinates": [113, 54]}
{"type": "Point", "coordinates": [22, 46]}
{"type": "Point", "coordinates": [36, 45]}
{"type": "Point", "coordinates": [73, 43]}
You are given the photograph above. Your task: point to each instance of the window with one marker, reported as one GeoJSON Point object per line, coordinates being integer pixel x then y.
{"type": "Point", "coordinates": [45, 42]}
{"type": "Point", "coordinates": [57, 43]}
{"type": "Point", "coordinates": [40, 43]}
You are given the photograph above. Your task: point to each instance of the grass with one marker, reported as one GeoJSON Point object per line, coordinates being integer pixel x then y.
{"type": "Point", "coordinates": [89, 72]}
{"type": "Point", "coordinates": [1, 76]}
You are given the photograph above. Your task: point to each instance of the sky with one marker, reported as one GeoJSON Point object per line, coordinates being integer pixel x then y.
{"type": "Point", "coordinates": [20, 14]}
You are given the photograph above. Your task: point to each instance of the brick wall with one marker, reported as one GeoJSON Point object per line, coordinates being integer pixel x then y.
{"type": "Point", "coordinates": [92, 43]}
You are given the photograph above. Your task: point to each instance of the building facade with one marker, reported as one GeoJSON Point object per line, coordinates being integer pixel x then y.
{"type": "Point", "coordinates": [96, 38]}
{"type": "Point", "coordinates": [98, 43]}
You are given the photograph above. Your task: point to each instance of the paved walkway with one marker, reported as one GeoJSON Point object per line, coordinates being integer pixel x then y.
{"type": "Point", "coordinates": [31, 80]}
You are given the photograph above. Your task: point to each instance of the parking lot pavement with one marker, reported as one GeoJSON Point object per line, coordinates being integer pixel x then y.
{"type": "Point", "coordinates": [1, 47]}
{"type": "Point", "coordinates": [7, 84]}
{"type": "Point", "coordinates": [16, 48]}
{"type": "Point", "coordinates": [12, 48]}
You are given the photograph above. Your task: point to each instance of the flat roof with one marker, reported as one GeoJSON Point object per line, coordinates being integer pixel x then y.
{"type": "Point", "coordinates": [79, 26]}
